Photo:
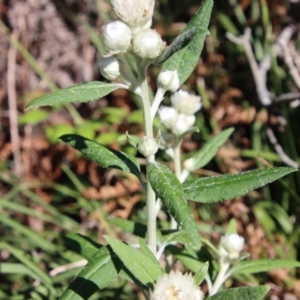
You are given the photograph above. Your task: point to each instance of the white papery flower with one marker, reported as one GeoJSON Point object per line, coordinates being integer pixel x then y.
{"type": "Point", "coordinates": [176, 286]}
{"type": "Point", "coordinates": [148, 44]}
{"type": "Point", "coordinates": [117, 37]}
{"type": "Point", "coordinates": [110, 67]}
{"type": "Point", "coordinates": [185, 102]}
{"type": "Point", "coordinates": [231, 245]}
{"type": "Point", "coordinates": [136, 13]}
{"type": "Point", "coordinates": [183, 124]}
{"type": "Point", "coordinates": [168, 80]}
{"type": "Point", "coordinates": [168, 116]}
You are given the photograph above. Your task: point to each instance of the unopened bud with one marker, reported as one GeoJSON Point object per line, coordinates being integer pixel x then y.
{"type": "Point", "coordinates": [116, 36]}
{"type": "Point", "coordinates": [185, 102]}
{"type": "Point", "coordinates": [147, 146]}
{"type": "Point", "coordinates": [230, 246]}
{"type": "Point", "coordinates": [148, 44]}
{"type": "Point", "coordinates": [168, 80]}
{"type": "Point", "coordinates": [110, 68]}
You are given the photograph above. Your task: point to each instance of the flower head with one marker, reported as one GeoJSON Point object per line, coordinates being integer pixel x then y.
{"type": "Point", "coordinates": [176, 286]}
{"type": "Point", "coordinates": [186, 103]}
{"type": "Point", "coordinates": [168, 116]}
{"type": "Point", "coordinates": [136, 13]}
{"type": "Point", "coordinates": [148, 44]}
{"type": "Point", "coordinates": [168, 80]}
{"type": "Point", "coordinates": [183, 123]}
{"type": "Point", "coordinates": [147, 146]}
{"type": "Point", "coordinates": [116, 36]}
{"type": "Point", "coordinates": [231, 245]}
{"type": "Point", "coordinates": [110, 67]}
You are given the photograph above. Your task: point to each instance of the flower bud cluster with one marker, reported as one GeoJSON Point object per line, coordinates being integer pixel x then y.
{"type": "Point", "coordinates": [231, 246]}
{"type": "Point", "coordinates": [132, 31]}
{"type": "Point", "coordinates": [180, 117]}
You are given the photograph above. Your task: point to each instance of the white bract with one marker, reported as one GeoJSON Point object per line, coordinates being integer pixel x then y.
{"type": "Point", "coordinates": [117, 37]}
{"type": "Point", "coordinates": [185, 102]}
{"type": "Point", "coordinates": [168, 80]}
{"type": "Point", "coordinates": [230, 246]}
{"type": "Point", "coordinates": [110, 67]}
{"type": "Point", "coordinates": [148, 44]}
{"type": "Point", "coordinates": [176, 286]}
{"type": "Point", "coordinates": [147, 146]}
{"type": "Point", "coordinates": [136, 13]}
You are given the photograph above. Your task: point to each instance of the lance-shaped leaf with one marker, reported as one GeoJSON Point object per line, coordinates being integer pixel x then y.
{"type": "Point", "coordinates": [209, 150]}
{"type": "Point", "coordinates": [142, 267]}
{"type": "Point", "coordinates": [180, 42]}
{"type": "Point", "coordinates": [104, 156]}
{"type": "Point", "coordinates": [225, 187]}
{"type": "Point", "coordinates": [185, 60]}
{"type": "Point", "coordinates": [102, 268]}
{"type": "Point", "coordinates": [168, 188]}
{"type": "Point", "coordinates": [77, 93]}
{"type": "Point", "coordinates": [262, 265]}
{"type": "Point", "coordinates": [81, 244]}
{"type": "Point", "coordinates": [245, 293]}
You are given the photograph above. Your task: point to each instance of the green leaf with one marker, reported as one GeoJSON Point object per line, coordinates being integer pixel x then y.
{"type": "Point", "coordinates": [185, 60]}
{"type": "Point", "coordinates": [81, 244]}
{"type": "Point", "coordinates": [224, 187]}
{"type": "Point", "coordinates": [30, 234]}
{"type": "Point", "coordinates": [77, 93]}
{"type": "Point", "coordinates": [180, 42]}
{"type": "Point", "coordinates": [201, 273]}
{"type": "Point", "coordinates": [147, 252]}
{"type": "Point", "coordinates": [135, 228]}
{"type": "Point", "coordinates": [188, 257]}
{"type": "Point", "coordinates": [136, 262]}
{"type": "Point", "coordinates": [33, 117]}
{"type": "Point", "coordinates": [245, 293]}
{"type": "Point", "coordinates": [168, 188]}
{"type": "Point", "coordinates": [209, 150]}
{"type": "Point", "coordinates": [178, 236]}
{"type": "Point", "coordinates": [262, 265]}
{"type": "Point", "coordinates": [232, 227]}
{"type": "Point", "coordinates": [104, 156]}
{"type": "Point", "coordinates": [23, 257]}
{"type": "Point", "coordinates": [102, 269]}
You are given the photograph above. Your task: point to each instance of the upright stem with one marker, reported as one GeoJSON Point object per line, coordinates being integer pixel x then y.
{"type": "Point", "coordinates": [177, 166]}
{"type": "Point", "coordinates": [150, 195]}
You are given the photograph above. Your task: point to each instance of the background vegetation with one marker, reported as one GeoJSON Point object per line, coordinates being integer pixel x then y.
{"type": "Point", "coordinates": [48, 190]}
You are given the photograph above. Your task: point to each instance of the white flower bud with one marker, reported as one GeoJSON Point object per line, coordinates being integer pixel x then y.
{"type": "Point", "coordinates": [110, 67]}
{"type": "Point", "coordinates": [168, 80]}
{"type": "Point", "coordinates": [116, 36]}
{"type": "Point", "coordinates": [189, 164]}
{"type": "Point", "coordinates": [183, 124]}
{"type": "Point", "coordinates": [148, 44]}
{"type": "Point", "coordinates": [168, 116]}
{"type": "Point", "coordinates": [231, 245]}
{"type": "Point", "coordinates": [186, 103]}
{"type": "Point", "coordinates": [136, 13]}
{"type": "Point", "coordinates": [176, 286]}
{"type": "Point", "coordinates": [147, 146]}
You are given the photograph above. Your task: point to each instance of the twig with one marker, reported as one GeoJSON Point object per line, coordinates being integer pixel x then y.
{"type": "Point", "coordinates": [281, 48]}
{"type": "Point", "coordinates": [13, 112]}
{"type": "Point", "coordinates": [259, 75]}
{"type": "Point", "coordinates": [61, 269]}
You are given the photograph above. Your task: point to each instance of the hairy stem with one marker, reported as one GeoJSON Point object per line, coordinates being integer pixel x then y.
{"type": "Point", "coordinates": [150, 195]}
